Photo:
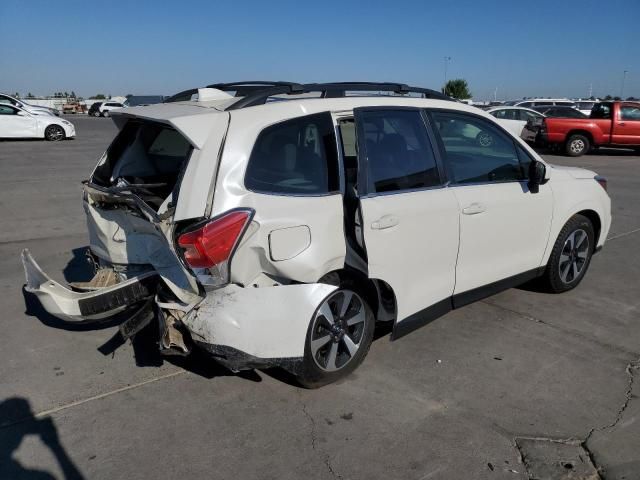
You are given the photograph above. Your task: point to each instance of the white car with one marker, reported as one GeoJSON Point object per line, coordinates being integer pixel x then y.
{"type": "Point", "coordinates": [35, 109]}
{"type": "Point", "coordinates": [585, 106]}
{"type": "Point", "coordinates": [542, 102]}
{"type": "Point", "coordinates": [105, 108]}
{"type": "Point", "coordinates": [18, 123]}
{"type": "Point", "coordinates": [274, 229]}
{"type": "Point", "coordinates": [514, 119]}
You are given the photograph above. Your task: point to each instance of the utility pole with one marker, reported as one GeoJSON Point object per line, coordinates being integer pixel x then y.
{"type": "Point", "coordinates": [590, 90]}
{"type": "Point", "coordinates": [624, 77]}
{"type": "Point", "coordinates": [495, 95]}
{"type": "Point", "coordinates": [446, 64]}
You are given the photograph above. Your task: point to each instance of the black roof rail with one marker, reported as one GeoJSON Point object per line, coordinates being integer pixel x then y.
{"type": "Point", "coordinates": [258, 92]}
{"type": "Point", "coordinates": [241, 89]}
{"type": "Point", "coordinates": [332, 90]}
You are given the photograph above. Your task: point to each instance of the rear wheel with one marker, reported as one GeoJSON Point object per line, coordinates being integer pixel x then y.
{"type": "Point", "coordinates": [571, 255]}
{"type": "Point", "coordinates": [338, 338]}
{"type": "Point", "coordinates": [54, 133]}
{"type": "Point", "coordinates": [577, 145]}
{"type": "Point", "coordinates": [105, 113]}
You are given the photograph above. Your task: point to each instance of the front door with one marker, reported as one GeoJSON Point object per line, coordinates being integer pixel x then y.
{"type": "Point", "coordinates": [409, 218]}
{"type": "Point", "coordinates": [504, 227]}
{"type": "Point", "coordinates": [626, 125]}
{"type": "Point", "coordinates": [15, 123]}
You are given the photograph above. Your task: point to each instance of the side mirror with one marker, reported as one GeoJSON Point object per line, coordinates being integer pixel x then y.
{"type": "Point", "coordinates": [22, 113]}
{"type": "Point", "coordinates": [537, 172]}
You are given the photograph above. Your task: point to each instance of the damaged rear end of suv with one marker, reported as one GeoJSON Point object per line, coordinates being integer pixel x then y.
{"type": "Point", "coordinates": [167, 217]}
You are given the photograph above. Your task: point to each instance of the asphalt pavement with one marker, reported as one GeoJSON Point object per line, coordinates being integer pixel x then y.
{"type": "Point", "coordinates": [522, 384]}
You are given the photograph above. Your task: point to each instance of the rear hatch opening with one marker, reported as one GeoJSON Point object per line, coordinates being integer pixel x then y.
{"type": "Point", "coordinates": [147, 158]}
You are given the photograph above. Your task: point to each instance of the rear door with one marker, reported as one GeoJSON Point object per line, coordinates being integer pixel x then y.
{"type": "Point", "coordinates": [626, 125]}
{"type": "Point", "coordinates": [504, 227]}
{"type": "Point", "coordinates": [409, 217]}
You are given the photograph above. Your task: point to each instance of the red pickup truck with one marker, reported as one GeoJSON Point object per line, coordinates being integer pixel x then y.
{"type": "Point", "coordinates": [611, 124]}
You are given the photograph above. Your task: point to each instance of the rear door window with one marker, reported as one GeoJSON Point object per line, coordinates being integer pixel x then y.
{"type": "Point", "coordinates": [601, 111]}
{"type": "Point", "coordinates": [298, 157]}
{"type": "Point", "coordinates": [398, 150]}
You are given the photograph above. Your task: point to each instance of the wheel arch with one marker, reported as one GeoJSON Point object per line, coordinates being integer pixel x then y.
{"type": "Point", "coordinates": [585, 133]}
{"type": "Point", "coordinates": [378, 293]}
{"type": "Point", "coordinates": [595, 220]}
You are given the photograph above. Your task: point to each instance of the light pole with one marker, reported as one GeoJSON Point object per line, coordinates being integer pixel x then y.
{"type": "Point", "coordinates": [446, 64]}
{"type": "Point", "coordinates": [624, 77]}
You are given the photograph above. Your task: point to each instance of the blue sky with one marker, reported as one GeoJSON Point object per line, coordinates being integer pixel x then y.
{"type": "Point", "coordinates": [539, 47]}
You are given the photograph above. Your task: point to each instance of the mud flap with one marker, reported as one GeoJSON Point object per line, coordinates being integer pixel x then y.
{"type": "Point", "coordinates": [95, 304]}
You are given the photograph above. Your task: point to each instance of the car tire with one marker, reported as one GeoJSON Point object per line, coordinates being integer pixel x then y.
{"type": "Point", "coordinates": [345, 343]}
{"type": "Point", "coordinates": [54, 133]}
{"type": "Point", "coordinates": [571, 255]}
{"type": "Point", "coordinates": [96, 113]}
{"type": "Point", "coordinates": [105, 113]}
{"type": "Point", "coordinates": [577, 145]}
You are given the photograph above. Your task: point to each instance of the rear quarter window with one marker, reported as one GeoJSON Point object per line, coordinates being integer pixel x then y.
{"type": "Point", "coordinates": [296, 157]}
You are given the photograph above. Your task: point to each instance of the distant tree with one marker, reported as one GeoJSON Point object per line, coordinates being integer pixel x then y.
{"type": "Point", "coordinates": [617, 98]}
{"type": "Point", "coordinates": [457, 88]}
{"type": "Point", "coordinates": [592, 97]}
{"type": "Point", "coordinates": [17, 95]}
{"type": "Point", "coordinates": [73, 94]}
{"type": "Point", "coordinates": [608, 97]}
{"type": "Point", "coordinates": [632, 99]}
{"type": "Point", "coordinates": [99, 96]}
{"type": "Point", "coordinates": [66, 94]}
{"type": "Point", "coordinates": [30, 95]}
{"type": "Point", "coordinates": [128, 96]}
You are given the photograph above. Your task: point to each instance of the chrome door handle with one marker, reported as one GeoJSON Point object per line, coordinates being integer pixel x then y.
{"type": "Point", "coordinates": [387, 221]}
{"type": "Point", "coordinates": [474, 209]}
{"type": "Point", "coordinates": [622, 124]}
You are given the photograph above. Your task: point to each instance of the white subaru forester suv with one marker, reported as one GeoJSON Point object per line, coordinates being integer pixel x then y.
{"type": "Point", "coordinates": [273, 224]}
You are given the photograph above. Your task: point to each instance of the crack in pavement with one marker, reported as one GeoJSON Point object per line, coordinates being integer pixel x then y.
{"type": "Point", "coordinates": [312, 433]}
{"type": "Point", "coordinates": [629, 369]}
{"type": "Point", "coordinates": [569, 331]}
{"type": "Point", "coordinates": [631, 366]}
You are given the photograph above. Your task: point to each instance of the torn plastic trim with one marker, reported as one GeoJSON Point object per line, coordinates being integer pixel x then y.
{"type": "Point", "coordinates": [104, 224]}
{"type": "Point", "coordinates": [98, 304]}
{"type": "Point", "coordinates": [120, 196]}
{"type": "Point", "coordinates": [236, 360]}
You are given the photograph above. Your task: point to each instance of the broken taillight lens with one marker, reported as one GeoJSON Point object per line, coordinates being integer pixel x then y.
{"type": "Point", "coordinates": [213, 243]}
{"type": "Point", "coordinates": [602, 181]}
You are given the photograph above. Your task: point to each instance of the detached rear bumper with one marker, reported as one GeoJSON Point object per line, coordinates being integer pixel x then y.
{"type": "Point", "coordinates": [98, 304]}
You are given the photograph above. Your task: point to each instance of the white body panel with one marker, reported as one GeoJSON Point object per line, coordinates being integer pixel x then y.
{"type": "Point", "coordinates": [504, 233]}
{"type": "Point", "coordinates": [266, 322]}
{"type": "Point", "coordinates": [417, 255]}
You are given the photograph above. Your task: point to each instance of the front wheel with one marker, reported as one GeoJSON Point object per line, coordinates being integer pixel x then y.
{"type": "Point", "coordinates": [577, 145]}
{"type": "Point", "coordinates": [54, 133]}
{"type": "Point", "coordinates": [571, 255]}
{"type": "Point", "coordinates": [338, 339]}
{"type": "Point", "coordinates": [105, 113]}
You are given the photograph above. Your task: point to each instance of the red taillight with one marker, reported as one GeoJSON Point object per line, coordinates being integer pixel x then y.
{"type": "Point", "coordinates": [214, 242]}
{"type": "Point", "coordinates": [602, 181]}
